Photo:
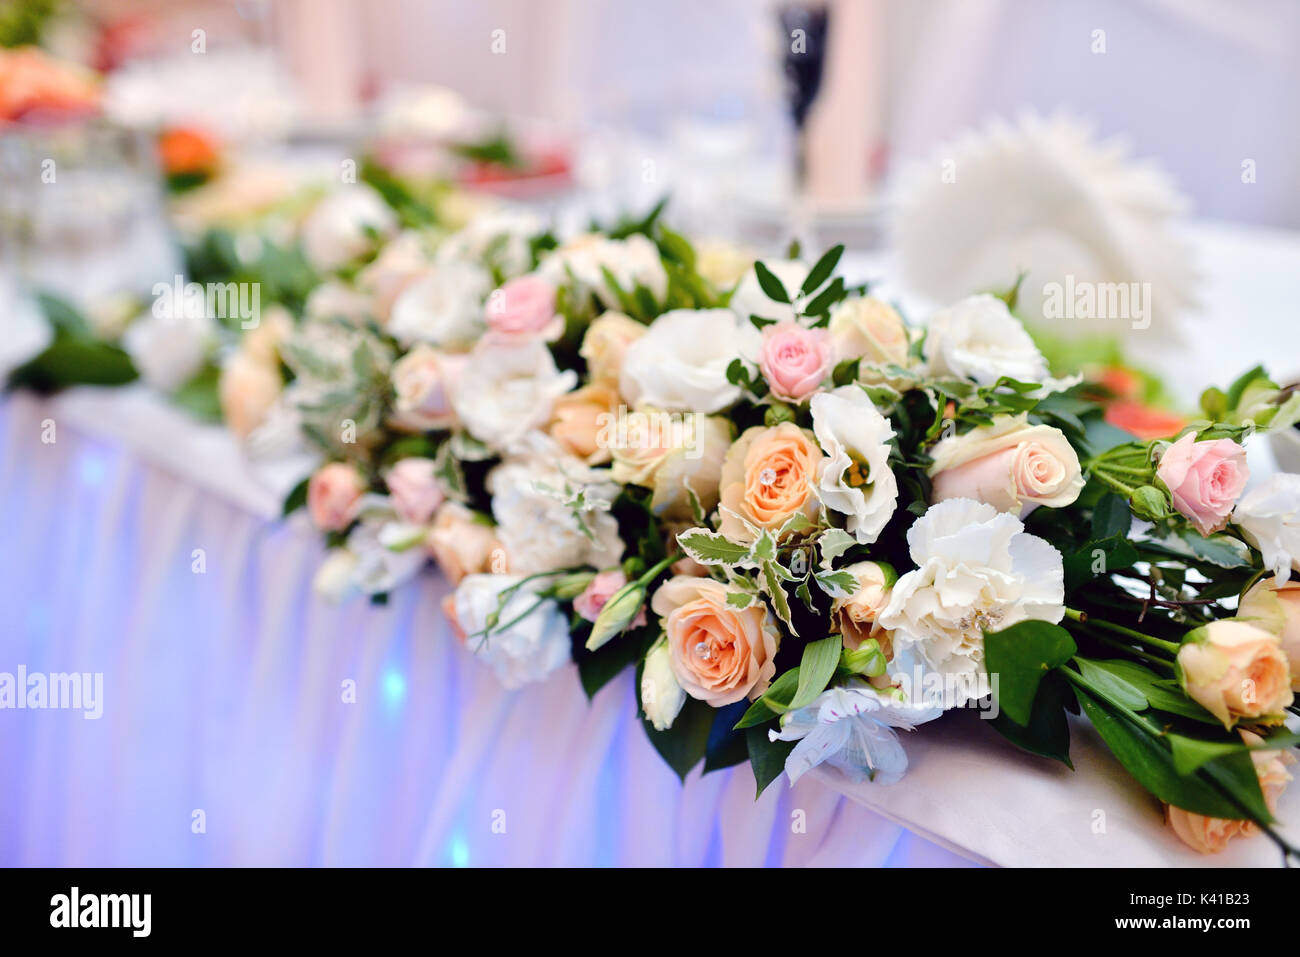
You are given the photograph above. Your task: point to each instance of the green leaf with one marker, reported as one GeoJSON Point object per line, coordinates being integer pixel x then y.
{"type": "Point", "coordinates": [772, 587]}
{"type": "Point", "coordinates": [826, 298]}
{"type": "Point", "coordinates": [1151, 764]}
{"type": "Point", "coordinates": [1108, 555]}
{"type": "Point", "coordinates": [296, 498]}
{"type": "Point", "coordinates": [1222, 550]}
{"type": "Point", "coordinates": [833, 543]}
{"type": "Point", "coordinates": [839, 584]}
{"type": "Point", "coordinates": [1111, 517]}
{"type": "Point", "coordinates": [774, 702]}
{"type": "Point", "coordinates": [71, 361]}
{"type": "Point", "coordinates": [772, 287]}
{"type": "Point", "coordinates": [199, 396]}
{"type": "Point", "coordinates": [1018, 657]}
{"type": "Point", "coordinates": [1111, 684]}
{"type": "Point", "coordinates": [822, 270]}
{"type": "Point", "coordinates": [684, 744]}
{"type": "Point", "coordinates": [712, 548]}
{"type": "Point", "coordinates": [598, 668]}
{"type": "Point", "coordinates": [766, 757]}
{"type": "Point", "coordinates": [727, 747]}
{"type": "Point", "coordinates": [816, 669]}
{"type": "Point", "coordinates": [845, 372]}
{"type": "Point", "coordinates": [1169, 697]}
{"type": "Point", "coordinates": [1047, 733]}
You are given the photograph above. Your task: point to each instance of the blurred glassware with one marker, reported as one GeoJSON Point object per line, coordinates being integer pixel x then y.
{"type": "Point", "coordinates": [805, 26]}
{"type": "Point", "coordinates": [85, 215]}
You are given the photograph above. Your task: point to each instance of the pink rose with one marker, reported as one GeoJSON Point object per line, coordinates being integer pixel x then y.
{"type": "Point", "coordinates": [599, 591]}
{"type": "Point", "coordinates": [333, 495]}
{"type": "Point", "coordinates": [524, 308]}
{"type": "Point", "coordinates": [794, 360]}
{"type": "Point", "coordinates": [1205, 479]}
{"type": "Point", "coordinates": [415, 491]}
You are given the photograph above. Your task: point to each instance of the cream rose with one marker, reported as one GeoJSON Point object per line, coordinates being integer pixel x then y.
{"type": "Point", "coordinates": [673, 454]}
{"type": "Point", "coordinates": [463, 543]}
{"type": "Point", "coordinates": [866, 328]}
{"type": "Point", "coordinates": [858, 616]}
{"type": "Point", "coordinates": [767, 477]}
{"type": "Point", "coordinates": [1234, 670]}
{"type": "Point", "coordinates": [718, 654]}
{"type": "Point", "coordinates": [248, 388]}
{"type": "Point", "coordinates": [1275, 606]}
{"type": "Point", "coordinates": [578, 421]}
{"type": "Point", "coordinates": [606, 342]}
{"type": "Point", "coordinates": [723, 263]}
{"type": "Point", "coordinates": [1010, 464]}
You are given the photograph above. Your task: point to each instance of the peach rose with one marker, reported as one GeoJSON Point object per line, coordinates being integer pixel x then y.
{"type": "Point", "coordinates": [423, 382]}
{"type": "Point", "coordinates": [463, 544]}
{"type": "Point", "coordinates": [866, 328]}
{"type": "Point", "coordinates": [578, 421]}
{"type": "Point", "coordinates": [1235, 670]}
{"type": "Point", "coordinates": [333, 496]}
{"type": "Point", "coordinates": [1277, 608]}
{"type": "Point", "coordinates": [247, 389]}
{"type": "Point", "coordinates": [599, 591]}
{"type": "Point", "coordinates": [606, 342]}
{"type": "Point", "coordinates": [856, 616]}
{"type": "Point", "coordinates": [524, 308]}
{"type": "Point", "coordinates": [767, 477]}
{"type": "Point", "coordinates": [794, 360]}
{"type": "Point", "coordinates": [1011, 465]}
{"type": "Point", "coordinates": [414, 489]}
{"type": "Point", "coordinates": [1210, 835]}
{"type": "Point", "coordinates": [718, 654]}
{"type": "Point", "coordinates": [1204, 478]}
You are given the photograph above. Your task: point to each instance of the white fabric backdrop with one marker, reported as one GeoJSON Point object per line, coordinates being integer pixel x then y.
{"type": "Point", "coordinates": [223, 693]}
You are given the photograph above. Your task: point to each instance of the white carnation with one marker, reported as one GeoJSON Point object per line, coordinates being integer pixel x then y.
{"type": "Point", "coordinates": [531, 638]}
{"type": "Point", "coordinates": [505, 390]}
{"type": "Point", "coordinates": [977, 569]}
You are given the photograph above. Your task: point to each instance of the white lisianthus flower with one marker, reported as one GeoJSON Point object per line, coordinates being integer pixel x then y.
{"type": "Point", "coordinates": [855, 478]}
{"type": "Point", "coordinates": [1269, 518]}
{"type": "Point", "coordinates": [344, 226]}
{"type": "Point", "coordinates": [749, 299]}
{"type": "Point", "coordinates": [386, 550]}
{"type": "Point", "coordinates": [538, 526]}
{"type": "Point", "coordinates": [977, 569]}
{"type": "Point", "coordinates": [500, 237]}
{"type": "Point", "coordinates": [979, 338]}
{"type": "Point", "coordinates": [335, 579]}
{"type": "Point", "coordinates": [662, 696]}
{"type": "Point", "coordinates": [680, 364]}
{"type": "Point", "coordinates": [444, 307]}
{"type": "Point", "coordinates": [631, 261]}
{"type": "Point", "coordinates": [505, 390]}
{"type": "Point", "coordinates": [169, 346]}
{"type": "Point", "coordinates": [530, 639]}
{"type": "Point", "coordinates": [852, 729]}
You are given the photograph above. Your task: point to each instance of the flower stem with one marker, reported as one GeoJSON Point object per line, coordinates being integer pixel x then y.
{"type": "Point", "coordinates": [1149, 640]}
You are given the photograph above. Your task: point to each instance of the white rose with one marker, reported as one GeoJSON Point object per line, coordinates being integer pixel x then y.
{"type": "Point", "coordinates": [680, 364]}
{"type": "Point", "coordinates": [1009, 464]}
{"type": "Point", "coordinates": [444, 307]}
{"type": "Point", "coordinates": [520, 649]}
{"type": "Point", "coordinates": [723, 263]}
{"type": "Point", "coordinates": [976, 569]}
{"type": "Point", "coordinates": [334, 299]}
{"type": "Point", "coordinates": [343, 227]}
{"type": "Point", "coordinates": [169, 347]}
{"type": "Point", "coordinates": [501, 238]}
{"type": "Point", "coordinates": [1269, 518]}
{"type": "Point", "coordinates": [399, 263]}
{"type": "Point", "coordinates": [662, 696]}
{"type": "Point", "coordinates": [750, 300]}
{"type": "Point", "coordinates": [537, 529]}
{"type": "Point", "coordinates": [855, 478]}
{"type": "Point", "coordinates": [505, 390]}
{"type": "Point", "coordinates": [979, 339]}
{"type": "Point", "coordinates": [632, 261]}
